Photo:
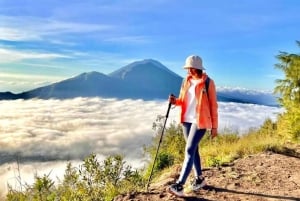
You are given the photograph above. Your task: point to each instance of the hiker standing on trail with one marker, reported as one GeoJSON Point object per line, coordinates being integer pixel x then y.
{"type": "Point", "coordinates": [199, 112]}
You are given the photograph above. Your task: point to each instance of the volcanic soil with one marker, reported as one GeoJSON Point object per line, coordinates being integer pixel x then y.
{"type": "Point", "coordinates": [261, 177]}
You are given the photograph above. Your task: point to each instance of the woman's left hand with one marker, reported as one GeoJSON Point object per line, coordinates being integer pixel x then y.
{"type": "Point", "coordinates": [214, 132]}
{"type": "Point", "coordinates": [172, 99]}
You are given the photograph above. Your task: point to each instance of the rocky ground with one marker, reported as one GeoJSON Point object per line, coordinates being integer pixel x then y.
{"type": "Point", "coordinates": [265, 176]}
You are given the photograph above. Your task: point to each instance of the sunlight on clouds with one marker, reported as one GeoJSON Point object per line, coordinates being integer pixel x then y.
{"type": "Point", "coordinates": [48, 133]}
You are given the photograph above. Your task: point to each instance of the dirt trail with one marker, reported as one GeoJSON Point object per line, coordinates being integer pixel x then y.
{"type": "Point", "coordinates": [265, 176]}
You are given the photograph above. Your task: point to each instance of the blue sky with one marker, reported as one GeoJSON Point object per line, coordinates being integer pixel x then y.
{"type": "Point", "coordinates": [50, 40]}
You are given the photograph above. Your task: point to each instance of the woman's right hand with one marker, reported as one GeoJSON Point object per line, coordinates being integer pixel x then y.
{"type": "Point", "coordinates": [172, 99]}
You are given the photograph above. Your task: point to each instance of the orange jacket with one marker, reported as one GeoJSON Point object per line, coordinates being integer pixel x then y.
{"type": "Point", "coordinates": [206, 105]}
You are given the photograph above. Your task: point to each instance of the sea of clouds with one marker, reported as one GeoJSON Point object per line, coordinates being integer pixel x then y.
{"type": "Point", "coordinates": [41, 136]}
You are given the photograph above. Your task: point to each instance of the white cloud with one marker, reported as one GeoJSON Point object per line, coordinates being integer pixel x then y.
{"type": "Point", "coordinates": [13, 34]}
{"type": "Point", "coordinates": [9, 55]}
{"type": "Point", "coordinates": [57, 131]}
{"type": "Point", "coordinates": [249, 96]}
{"type": "Point", "coordinates": [64, 32]}
{"type": "Point", "coordinates": [128, 39]}
{"type": "Point", "coordinates": [58, 27]}
{"type": "Point", "coordinates": [33, 28]}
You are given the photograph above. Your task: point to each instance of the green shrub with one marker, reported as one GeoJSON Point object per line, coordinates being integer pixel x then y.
{"type": "Point", "coordinates": [92, 181]}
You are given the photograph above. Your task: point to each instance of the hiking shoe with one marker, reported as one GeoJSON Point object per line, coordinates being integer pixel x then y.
{"type": "Point", "coordinates": [198, 183]}
{"type": "Point", "coordinates": [176, 189]}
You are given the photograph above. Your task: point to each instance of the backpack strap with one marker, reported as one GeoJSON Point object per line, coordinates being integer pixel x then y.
{"type": "Point", "coordinates": [207, 86]}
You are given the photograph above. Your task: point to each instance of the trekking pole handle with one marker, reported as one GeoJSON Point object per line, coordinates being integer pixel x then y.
{"type": "Point", "coordinates": [170, 104]}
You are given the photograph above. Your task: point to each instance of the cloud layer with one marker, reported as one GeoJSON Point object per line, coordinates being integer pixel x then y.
{"type": "Point", "coordinates": [44, 134]}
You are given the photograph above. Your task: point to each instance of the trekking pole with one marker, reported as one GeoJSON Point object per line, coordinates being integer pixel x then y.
{"type": "Point", "coordinates": [160, 140]}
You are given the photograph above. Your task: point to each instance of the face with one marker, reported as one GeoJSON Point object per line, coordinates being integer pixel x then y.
{"type": "Point", "coordinates": [196, 73]}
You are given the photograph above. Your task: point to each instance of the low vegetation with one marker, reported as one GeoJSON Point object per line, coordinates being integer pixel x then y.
{"type": "Point", "coordinates": [91, 181]}
{"type": "Point", "coordinates": [102, 181]}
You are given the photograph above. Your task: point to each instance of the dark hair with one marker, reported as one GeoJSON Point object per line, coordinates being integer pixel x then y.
{"type": "Point", "coordinates": [199, 71]}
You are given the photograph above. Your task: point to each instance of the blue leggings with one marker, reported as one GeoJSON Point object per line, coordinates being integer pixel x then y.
{"type": "Point", "coordinates": [192, 136]}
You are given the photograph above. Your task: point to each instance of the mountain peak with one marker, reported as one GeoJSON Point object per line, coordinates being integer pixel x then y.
{"type": "Point", "coordinates": [148, 61]}
{"type": "Point", "coordinates": [146, 64]}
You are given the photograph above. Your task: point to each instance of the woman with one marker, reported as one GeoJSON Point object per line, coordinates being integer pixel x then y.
{"type": "Point", "coordinates": [199, 112]}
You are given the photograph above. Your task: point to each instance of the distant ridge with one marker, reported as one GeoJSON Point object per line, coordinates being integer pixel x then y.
{"type": "Point", "coordinates": [147, 79]}
{"type": "Point", "coordinates": [8, 96]}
